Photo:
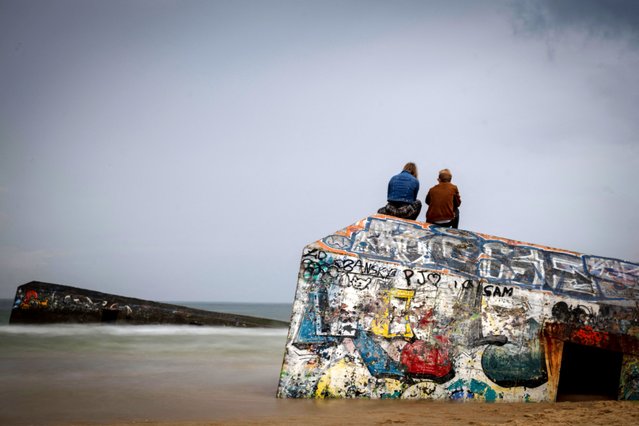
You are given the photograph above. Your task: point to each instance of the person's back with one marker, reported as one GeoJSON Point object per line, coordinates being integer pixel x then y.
{"type": "Point", "coordinates": [403, 188]}
{"type": "Point", "coordinates": [402, 194]}
{"type": "Point", "coordinates": [443, 200]}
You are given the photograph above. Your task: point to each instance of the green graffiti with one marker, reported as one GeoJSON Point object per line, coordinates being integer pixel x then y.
{"type": "Point", "coordinates": [513, 364]}
{"type": "Point", "coordinates": [482, 389]}
{"type": "Point", "coordinates": [629, 383]}
{"type": "Point", "coordinates": [476, 389]}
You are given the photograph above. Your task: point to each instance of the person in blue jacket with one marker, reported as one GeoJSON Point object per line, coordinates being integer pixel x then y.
{"type": "Point", "coordinates": [402, 194]}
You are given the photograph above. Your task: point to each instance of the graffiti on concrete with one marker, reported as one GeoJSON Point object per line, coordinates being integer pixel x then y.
{"type": "Point", "coordinates": [497, 261]}
{"type": "Point", "coordinates": [40, 303]}
{"type": "Point", "coordinates": [629, 386]}
{"type": "Point", "coordinates": [389, 308]}
{"type": "Point", "coordinates": [30, 299]}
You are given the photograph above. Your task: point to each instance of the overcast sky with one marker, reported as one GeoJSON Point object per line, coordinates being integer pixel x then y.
{"type": "Point", "coordinates": [189, 150]}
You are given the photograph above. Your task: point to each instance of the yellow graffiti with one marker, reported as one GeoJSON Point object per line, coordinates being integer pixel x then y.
{"type": "Point", "coordinates": [342, 379]}
{"type": "Point", "coordinates": [396, 302]}
{"type": "Point", "coordinates": [31, 300]}
{"type": "Point", "coordinates": [35, 304]}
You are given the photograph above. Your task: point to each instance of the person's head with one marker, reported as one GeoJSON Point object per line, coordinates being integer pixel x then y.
{"type": "Point", "coordinates": [445, 175]}
{"type": "Point", "coordinates": [411, 168]}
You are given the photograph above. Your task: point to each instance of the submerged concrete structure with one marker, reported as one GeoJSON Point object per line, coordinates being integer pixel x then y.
{"type": "Point", "coordinates": [40, 303]}
{"type": "Point", "coordinates": [392, 308]}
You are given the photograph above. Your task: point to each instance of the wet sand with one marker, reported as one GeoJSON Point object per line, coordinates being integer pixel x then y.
{"type": "Point", "coordinates": [355, 412]}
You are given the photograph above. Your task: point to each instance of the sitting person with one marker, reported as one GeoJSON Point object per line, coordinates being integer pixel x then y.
{"type": "Point", "coordinates": [443, 202]}
{"type": "Point", "coordinates": [402, 194]}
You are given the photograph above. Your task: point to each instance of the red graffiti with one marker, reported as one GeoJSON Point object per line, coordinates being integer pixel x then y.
{"type": "Point", "coordinates": [30, 295]}
{"type": "Point", "coordinates": [427, 319]}
{"type": "Point", "coordinates": [587, 336]}
{"type": "Point", "coordinates": [426, 359]}
{"type": "Point", "coordinates": [32, 300]}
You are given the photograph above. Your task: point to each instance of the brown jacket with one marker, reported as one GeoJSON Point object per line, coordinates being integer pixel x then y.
{"type": "Point", "coordinates": [442, 200]}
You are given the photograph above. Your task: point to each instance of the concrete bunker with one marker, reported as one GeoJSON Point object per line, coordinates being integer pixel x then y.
{"type": "Point", "coordinates": [43, 303]}
{"type": "Point", "coordinates": [392, 308]}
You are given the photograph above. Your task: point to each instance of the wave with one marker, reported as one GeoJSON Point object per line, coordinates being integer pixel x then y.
{"type": "Point", "coordinates": [64, 330]}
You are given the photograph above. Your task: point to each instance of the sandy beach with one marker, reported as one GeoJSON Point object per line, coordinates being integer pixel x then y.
{"type": "Point", "coordinates": [353, 412]}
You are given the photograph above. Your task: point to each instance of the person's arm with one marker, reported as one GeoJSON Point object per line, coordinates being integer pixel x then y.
{"type": "Point", "coordinates": [428, 197]}
{"type": "Point", "coordinates": [456, 198]}
{"type": "Point", "coordinates": [416, 191]}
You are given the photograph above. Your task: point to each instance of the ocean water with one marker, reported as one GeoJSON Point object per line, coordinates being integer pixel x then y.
{"type": "Point", "coordinates": [97, 374]}
{"type": "Point", "coordinates": [278, 311]}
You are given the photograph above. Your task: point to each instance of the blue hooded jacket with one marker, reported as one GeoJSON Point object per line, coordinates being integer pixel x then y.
{"type": "Point", "coordinates": [403, 188]}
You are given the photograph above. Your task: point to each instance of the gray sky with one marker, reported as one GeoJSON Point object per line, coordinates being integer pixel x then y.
{"type": "Point", "coordinates": [189, 150]}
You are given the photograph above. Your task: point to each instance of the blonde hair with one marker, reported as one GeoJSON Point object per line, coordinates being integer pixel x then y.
{"type": "Point", "coordinates": [411, 168]}
{"type": "Point", "coordinates": [445, 175]}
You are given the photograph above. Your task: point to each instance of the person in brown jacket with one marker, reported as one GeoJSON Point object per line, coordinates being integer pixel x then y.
{"type": "Point", "coordinates": [443, 202]}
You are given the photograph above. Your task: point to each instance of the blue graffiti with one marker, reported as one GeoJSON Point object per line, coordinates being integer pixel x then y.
{"type": "Point", "coordinates": [307, 333]}
{"type": "Point", "coordinates": [378, 362]}
{"type": "Point", "coordinates": [497, 262]}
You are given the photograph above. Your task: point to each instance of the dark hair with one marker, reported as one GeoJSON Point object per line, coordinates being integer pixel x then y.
{"type": "Point", "coordinates": [411, 168]}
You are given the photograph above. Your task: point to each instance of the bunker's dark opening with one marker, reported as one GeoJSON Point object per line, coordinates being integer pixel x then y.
{"type": "Point", "coordinates": [588, 373]}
